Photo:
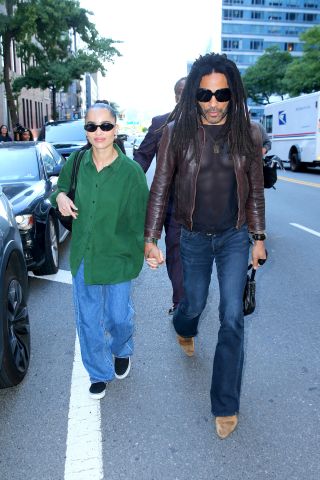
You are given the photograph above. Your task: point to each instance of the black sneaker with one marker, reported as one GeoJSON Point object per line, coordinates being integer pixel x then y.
{"type": "Point", "coordinates": [97, 390]}
{"type": "Point", "coordinates": [172, 309]}
{"type": "Point", "coordinates": [122, 367]}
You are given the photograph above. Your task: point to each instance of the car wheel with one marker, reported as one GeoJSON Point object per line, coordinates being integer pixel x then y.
{"type": "Point", "coordinates": [15, 329]}
{"type": "Point", "coordinates": [51, 249]}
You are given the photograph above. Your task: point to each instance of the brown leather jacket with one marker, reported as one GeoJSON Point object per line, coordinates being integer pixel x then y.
{"type": "Point", "coordinates": [250, 189]}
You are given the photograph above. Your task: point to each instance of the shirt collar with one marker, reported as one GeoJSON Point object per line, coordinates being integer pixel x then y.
{"type": "Point", "coordinates": [88, 157]}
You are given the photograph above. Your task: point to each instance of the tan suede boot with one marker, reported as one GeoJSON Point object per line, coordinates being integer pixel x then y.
{"type": "Point", "coordinates": [226, 425]}
{"type": "Point", "coordinates": [187, 345]}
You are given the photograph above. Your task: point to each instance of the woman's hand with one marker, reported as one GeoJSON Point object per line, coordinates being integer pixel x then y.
{"type": "Point", "coordinates": [153, 255]}
{"type": "Point", "coordinates": [66, 206]}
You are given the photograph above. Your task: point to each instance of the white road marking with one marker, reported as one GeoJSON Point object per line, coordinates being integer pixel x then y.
{"type": "Point", "coordinates": [63, 276]}
{"type": "Point", "coordinates": [84, 439]}
{"type": "Point", "coordinates": [309, 230]}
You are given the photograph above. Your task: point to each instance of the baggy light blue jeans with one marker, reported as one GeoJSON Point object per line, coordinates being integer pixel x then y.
{"type": "Point", "coordinates": [104, 320]}
{"type": "Point", "coordinates": [230, 250]}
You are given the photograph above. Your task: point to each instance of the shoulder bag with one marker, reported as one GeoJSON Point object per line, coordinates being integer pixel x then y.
{"type": "Point", "coordinates": [66, 220]}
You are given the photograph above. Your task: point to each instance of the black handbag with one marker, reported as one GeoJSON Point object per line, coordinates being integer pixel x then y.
{"type": "Point", "coordinates": [249, 294]}
{"type": "Point", "coordinates": [269, 173]}
{"type": "Point", "coordinates": [270, 167]}
{"type": "Point", "coordinates": [66, 220]}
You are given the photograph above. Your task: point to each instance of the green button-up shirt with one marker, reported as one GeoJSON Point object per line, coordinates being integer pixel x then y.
{"type": "Point", "coordinates": [108, 233]}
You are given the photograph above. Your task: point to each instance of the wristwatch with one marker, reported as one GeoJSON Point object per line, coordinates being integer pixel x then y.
{"type": "Point", "coordinates": [151, 240]}
{"type": "Point", "coordinates": [259, 236]}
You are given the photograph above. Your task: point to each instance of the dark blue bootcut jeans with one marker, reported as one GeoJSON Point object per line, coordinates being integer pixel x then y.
{"type": "Point", "coordinates": [230, 250]}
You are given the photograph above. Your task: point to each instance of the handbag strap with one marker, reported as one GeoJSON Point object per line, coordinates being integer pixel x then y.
{"type": "Point", "coordinates": [253, 273]}
{"type": "Point", "coordinates": [75, 169]}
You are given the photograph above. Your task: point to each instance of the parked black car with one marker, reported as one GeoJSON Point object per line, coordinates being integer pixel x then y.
{"type": "Point", "coordinates": [14, 318]}
{"type": "Point", "coordinates": [28, 176]}
{"type": "Point", "coordinates": [65, 135]}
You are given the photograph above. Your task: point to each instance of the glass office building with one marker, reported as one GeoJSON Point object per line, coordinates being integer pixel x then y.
{"type": "Point", "coordinates": [251, 26]}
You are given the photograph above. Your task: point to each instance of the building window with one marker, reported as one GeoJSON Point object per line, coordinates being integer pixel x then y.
{"type": "Point", "coordinates": [24, 111]}
{"type": "Point", "coordinates": [36, 112]}
{"type": "Point", "coordinates": [291, 16]}
{"type": "Point", "coordinates": [230, 44]}
{"type": "Point", "coordinates": [309, 17]}
{"type": "Point", "coordinates": [31, 115]}
{"type": "Point", "coordinates": [275, 18]}
{"type": "Point", "coordinates": [257, 15]}
{"type": "Point", "coordinates": [256, 45]}
{"type": "Point", "coordinates": [227, 14]}
{"type": "Point", "coordinates": [275, 4]}
{"type": "Point", "coordinates": [289, 47]}
{"type": "Point", "coordinates": [27, 124]}
{"type": "Point", "coordinates": [257, 2]}
{"type": "Point", "coordinates": [311, 5]}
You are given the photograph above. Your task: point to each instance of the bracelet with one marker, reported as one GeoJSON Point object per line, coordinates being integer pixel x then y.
{"type": "Point", "coordinates": [151, 240]}
{"type": "Point", "coordinates": [259, 236]}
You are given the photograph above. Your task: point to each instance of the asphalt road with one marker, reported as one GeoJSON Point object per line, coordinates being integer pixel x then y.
{"type": "Point", "coordinates": [156, 424]}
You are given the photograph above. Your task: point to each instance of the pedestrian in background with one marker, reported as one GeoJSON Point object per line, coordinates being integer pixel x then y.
{"type": "Point", "coordinates": [4, 134]}
{"type": "Point", "coordinates": [144, 156]}
{"type": "Point", "coordinates": [266, 142]}
{"type": "Point", "coordinates": [106, 247]}
{"type": "Point", "coordinates": [214, 154]}
{"type": "Point", "coordinates": [25, 135]}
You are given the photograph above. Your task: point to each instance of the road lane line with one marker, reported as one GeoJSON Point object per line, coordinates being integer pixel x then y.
{"type": "Point", "coordinates": [84, 438]}
{"type": "Point", "coordinates": [306, 229]}
{"type": "Point", "coordinates": [62, 276]}
{"type": "Point", "coordinates": [301, 182]}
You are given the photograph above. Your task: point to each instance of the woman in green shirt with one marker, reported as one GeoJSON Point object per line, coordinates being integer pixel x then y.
{"type": "Point", "coordinates": [107, 247]}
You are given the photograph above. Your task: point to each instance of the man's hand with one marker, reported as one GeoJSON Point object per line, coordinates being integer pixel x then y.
{"type": "Point", "coordinates": [153, 255]}
{"type": "Point", "coordinates": [258, 253]}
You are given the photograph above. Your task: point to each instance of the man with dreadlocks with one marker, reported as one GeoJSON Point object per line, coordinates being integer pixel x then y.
{"type": "Point", "coordinates": [213, 153]}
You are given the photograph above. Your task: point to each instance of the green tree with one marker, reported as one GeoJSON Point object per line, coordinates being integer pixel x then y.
{"type": "Point", "coordinates": [266, 76]}
{"type": "Point", "coordinates": [17, 24]}
{"type": "Point", "coordinates": [44, 31]}
{"type": "Point", "coordinates": [303, 74]}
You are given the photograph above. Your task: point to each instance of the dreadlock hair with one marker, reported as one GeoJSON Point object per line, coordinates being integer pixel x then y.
{"type": "Point", "coordinates": [187, 113]}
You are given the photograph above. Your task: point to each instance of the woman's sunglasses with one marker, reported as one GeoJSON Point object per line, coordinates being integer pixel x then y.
{"type": "Point", "coordinates": [205, 95]}
{"type": "Point", "coordinates": [104, 126]}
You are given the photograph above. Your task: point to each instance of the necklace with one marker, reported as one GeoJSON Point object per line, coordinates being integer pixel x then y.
{"type": "Point", "coordinates": [216, 147]}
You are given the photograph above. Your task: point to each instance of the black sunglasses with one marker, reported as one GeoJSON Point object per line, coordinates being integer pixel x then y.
{"type": "Point", "coordinates": [105, 127]}
{"type": "Point", "coordinates": [205, 95]}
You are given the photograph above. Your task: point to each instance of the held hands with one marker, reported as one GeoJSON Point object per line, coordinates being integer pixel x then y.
{"type": "Point", "coordinates": [259, 254]}
{"type": "Point", "coordinates": [66, 206]}
{"type": "Point", "coordinates": [153, 255]}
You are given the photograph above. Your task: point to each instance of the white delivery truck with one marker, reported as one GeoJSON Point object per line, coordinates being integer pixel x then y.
{"type": "Point", "coordinates": [293, 127]}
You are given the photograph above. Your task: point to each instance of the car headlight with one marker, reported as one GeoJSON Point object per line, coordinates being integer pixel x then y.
{"type": "Point", "coordinates": [24, 222]}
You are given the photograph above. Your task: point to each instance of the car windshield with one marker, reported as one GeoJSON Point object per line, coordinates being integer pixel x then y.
{"type": "Point", "coordinates": [66, 132]}
{"type": "Point", "coordinates": [18, 164]}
